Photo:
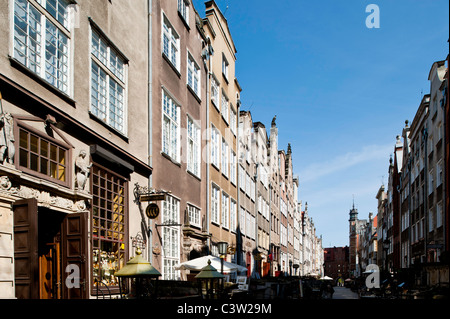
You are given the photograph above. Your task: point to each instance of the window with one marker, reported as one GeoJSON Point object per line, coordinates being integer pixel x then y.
{"type": "Point", "coordinates": [225, 210]}
{"type": "Point", "coordinates": [224, 107]}
{"type": "Point", "coordinates": [107, 83]}
{"type": "Point", "coordinates": [242, 218]}
{"type": "Point", "coordinates": [194, 215]}
{"type": "Point", "coordinates": [439, 214]}
{"type": "Point", "coordinates": [233, 212]}
{"type": "Point", "coordinates": [171, 238]}
{"type": "Point", "coordinates": [440, 132]}
{"type": "Point", "coordinates": [440, 177]}
{"type": "Point", "coordinates": [109, 216]}
{"type": "Point", "coordinates": [242, 179]}
{"type": "Point", "coordinates": [225, 67]}
{"type": "Point", "coordinates": [193, 153]}
{"type": "Point", "coordinates": [233, 170]}
{"type": "Point", "coordinates": [215, 204]}
{"type": "Point", "coordinates": [215, 91]}
{"type": "Point", "coordinates": [42, 40]}
{"type": "Point", "coordinates": [224, 157]}
{"type": "Point", "coordinates": [248, 186]}
{"type": "Point", "coordinates": [250, 226]}
{"type": "Point", "coordinates": [193, 75]}
{"type": "Point", "coordinates": [183, 9]}
{"type": "Point", "coordinates": [215, 146]}
{"type": "Point", "coordinates": [44, 156]}
{"type": "Point", "coordinates": [233, 127]}
{"type": "Point", "coordinates": [171, 127]}
{"type": "Point", "coordinates": [430, 182]}
{"type": "Point", "coordinates": [170, 43]}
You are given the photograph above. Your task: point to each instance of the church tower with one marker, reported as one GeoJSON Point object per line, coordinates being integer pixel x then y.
{"type": "Point", "coordinates": [353, 245]}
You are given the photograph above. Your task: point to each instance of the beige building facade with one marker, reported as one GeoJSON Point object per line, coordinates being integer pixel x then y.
{"type": "Point", "coordinates": [178, 122]}
{"type": "Point", "coordinates": [73, 82]}
{"type": "Point", "coordinates": [222, 122]}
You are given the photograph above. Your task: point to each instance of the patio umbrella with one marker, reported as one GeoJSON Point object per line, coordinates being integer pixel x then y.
{"type": "Point", "coordinates": [199, 263]}
{"type": "Point", "coordinates": [326, 278]}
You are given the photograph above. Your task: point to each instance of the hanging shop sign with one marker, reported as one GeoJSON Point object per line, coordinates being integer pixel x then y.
{"type": "Point", "coordinates": [152, 197]}
{"type": "Point", "coordinates": [152, 211]}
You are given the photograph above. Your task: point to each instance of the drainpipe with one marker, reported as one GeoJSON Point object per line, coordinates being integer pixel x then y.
{"type": "Point", "coordinates": [208, 144]}
{"type": "Point", "coordinates": [409, 211]}
{"type": "Point", "coordinates": [239, 240]}
{"type": "Point", "coordinates": [425, 192]}
{"type": "Point", "coordinates": [150, 119]}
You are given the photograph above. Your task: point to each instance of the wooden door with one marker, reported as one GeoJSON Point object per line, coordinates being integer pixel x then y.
{"type": "Point", "coordinates": [26, 249]}
{"type": "Point", "coordinates": [50, 272]}
{"type": "Point", "coordinates": [74, 256]}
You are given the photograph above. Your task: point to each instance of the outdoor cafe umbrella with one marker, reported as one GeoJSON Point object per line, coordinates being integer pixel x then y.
{"type": "Point", "coordinates": [199, 263]}
{"type": "Point", "coordinates": [326, 278]}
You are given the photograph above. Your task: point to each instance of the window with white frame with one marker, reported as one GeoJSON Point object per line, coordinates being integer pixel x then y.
{"type": "Point", "coordinates": [242, 218]}
{"type": "Point", "coordinates": [439, 174]}
{"type": "Point", "coordinates": [430, 182]}
{"type": "Point", "coordinates": [170, 43]}
{"type": "Point", "coordinates": [215, 146]}
{"type": "Point", "coordinates": [224, 107]}
{"type": "Point", "coordinates": [41, 40]}
{"type": "Point", "coordinates": [183, 9]}
{"type": "Point", "coordinates": [193, 147]}
{"type": "Point", "coordinates": [283, 235]}
{"type": "Point", "coordinates": [224, 157]}
{"type": "Point", "coordinates": [215, 91]}
{"type": "Point", "coordinates": [194, 215]}
{"type": "Point", "coordinates": [250, 226]}
{"type": "Point", "coordinates": [171, 127]}
{"type": "Point", "coordinates": [193, 75]}
{"type": "Point", "coordinates": [252, 189]}
{"type": "Point", "coordinates": [233, 118]}
{"type": "Point", "coordinates": [233, 212]}
{"type": "Point", "coordinates": [225, 66]}
{"type": "Point", "coordinates": [107, 83]}
{"type": "Point", "coordinates": [215, 198]}
{"type": "Point", "coordinates": [233, 170]}
{"type": "Point", "coordinates": [241, 178]}
{"type": "Point", "coordinates": [440, 131]}
{"type": "Point", "coordinates": [225, 210]}
{"type": "Point", "coordinates": [439, 217]}
{"type": "Point", "coordinates": [171, 238]}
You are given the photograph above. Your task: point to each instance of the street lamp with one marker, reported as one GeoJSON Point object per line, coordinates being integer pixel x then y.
{"type": "Point", "coordinates": [211, 281]}
{"type": "Point", "coordinates": [223, 247]}
{"type": "Point", "coordinates": [141, 272]}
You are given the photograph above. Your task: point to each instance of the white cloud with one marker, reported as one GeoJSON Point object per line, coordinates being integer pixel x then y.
{"type": "Point", "coordinates": [327, 167]}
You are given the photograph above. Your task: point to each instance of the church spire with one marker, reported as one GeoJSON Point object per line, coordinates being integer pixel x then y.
{"type": "Point", "coordinates": [353, 212]}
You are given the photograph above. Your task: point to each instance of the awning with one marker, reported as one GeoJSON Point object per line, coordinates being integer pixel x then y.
{"type": "Point", "coordinates": [199, 263]}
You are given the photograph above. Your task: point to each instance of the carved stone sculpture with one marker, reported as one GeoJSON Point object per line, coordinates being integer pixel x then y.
{"type": "Point", "coordinates": [7, 150]}
{"type": "Point", "coordinates": [82, 169]}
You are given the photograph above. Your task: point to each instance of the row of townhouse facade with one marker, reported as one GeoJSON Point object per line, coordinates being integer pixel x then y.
{"type": "Point", "coordinates": [362, 249]}
{"type": "Point", "coordinates": [411, 232]}
{"type": "Point", "coordinates": [121, 128]}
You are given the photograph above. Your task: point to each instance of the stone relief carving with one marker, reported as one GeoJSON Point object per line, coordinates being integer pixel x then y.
{"type": "Point", "coordinates": [7, 150]}
{"type": "Point", "coordinates": [82, 168]}
{"type": "Point", "coordinates": [44, 198]}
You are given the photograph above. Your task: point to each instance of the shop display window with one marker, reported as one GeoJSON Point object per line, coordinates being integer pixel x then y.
{"type": "Point", "coordinates": [108, 226]}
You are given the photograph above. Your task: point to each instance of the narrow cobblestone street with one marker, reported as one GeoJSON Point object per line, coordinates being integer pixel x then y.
{"type": "Point", "coordinates": [344, 293]}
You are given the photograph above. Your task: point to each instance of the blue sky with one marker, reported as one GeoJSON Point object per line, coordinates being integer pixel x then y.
{"type": "Point", "coordinates": [341, 91]}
